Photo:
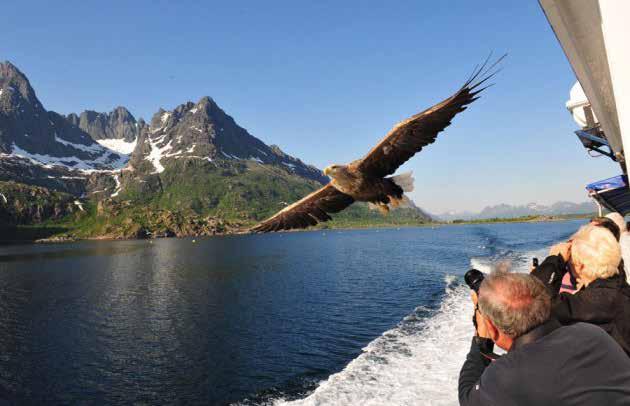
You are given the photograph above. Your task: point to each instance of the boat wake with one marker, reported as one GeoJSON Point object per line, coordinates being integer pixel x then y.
{"type": "Point", "coordinates": [418, 361]}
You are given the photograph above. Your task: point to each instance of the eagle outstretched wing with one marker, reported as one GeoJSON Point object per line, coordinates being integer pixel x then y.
{"type": "Point", "coordinates": [401, 143]}
{"type": "Point", "coordinates": [309, 211]}
{"type": "Point", "coordinates": [409, 136]}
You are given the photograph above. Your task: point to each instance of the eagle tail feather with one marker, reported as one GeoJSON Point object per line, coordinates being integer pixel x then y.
{"type": "Point", "coordinates": [404, 181]}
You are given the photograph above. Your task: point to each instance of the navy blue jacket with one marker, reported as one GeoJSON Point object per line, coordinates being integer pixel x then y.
{"type": "Point", "coordinates": [552, 365]}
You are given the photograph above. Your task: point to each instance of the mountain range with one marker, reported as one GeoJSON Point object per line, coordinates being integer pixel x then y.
{"type": "Point", "coordinates": [190, 170]}
{"type": "Point", "coordinates": [513, 211]}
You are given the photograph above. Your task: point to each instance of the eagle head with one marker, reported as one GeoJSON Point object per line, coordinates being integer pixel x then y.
{"type": "Point", "coordinates": [332, 170]}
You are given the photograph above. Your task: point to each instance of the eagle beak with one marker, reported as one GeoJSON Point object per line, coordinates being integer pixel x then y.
{"type": "Point", "coordinates": [327, 171]}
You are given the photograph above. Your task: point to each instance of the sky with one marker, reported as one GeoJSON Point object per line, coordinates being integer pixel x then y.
{"type": "Point", "coordinates": [327, 80]}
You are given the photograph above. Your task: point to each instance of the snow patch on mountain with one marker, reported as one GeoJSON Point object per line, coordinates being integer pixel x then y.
{"type": "Point", "coordinates": [79, 205]}
{"type": "Point", "coordinates": [106, 161]}
{"type": "Point", "coordinates": [157, 153]}
{"type": "Point", "coordinates": [49, 161]}
{"type": "Point", "coordinates": [119, 145]}
{"type": "Point", "coordinates": [94, 148]}
{"type": "Point", "coordinates": [118, 186]}
{"type": "Point", "coordinates": [230, 156]}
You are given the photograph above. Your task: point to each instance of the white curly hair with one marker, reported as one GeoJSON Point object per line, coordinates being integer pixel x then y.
{"type": "Point", "coordinates": [598, 253]}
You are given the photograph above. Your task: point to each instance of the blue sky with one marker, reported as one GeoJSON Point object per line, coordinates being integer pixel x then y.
{"type": "Point", "coordinates": [326, 80]}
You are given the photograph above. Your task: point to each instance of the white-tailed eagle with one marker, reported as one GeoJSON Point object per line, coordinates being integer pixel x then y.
{"type": "Point", "coordinates": [365, 180]}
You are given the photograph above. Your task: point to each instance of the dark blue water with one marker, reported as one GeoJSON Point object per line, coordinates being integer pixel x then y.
{"type": "Point", "coordinates": [249, 319]}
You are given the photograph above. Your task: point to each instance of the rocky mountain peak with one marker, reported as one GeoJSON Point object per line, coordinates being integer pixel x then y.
{"type": "Point", "coordinates": [118, 124]}
{"type": "Point", "coordinates": [207, 103]}
{"type": "Point", "coordinates": [160, 118]}
{"type": "Point", "coordinates": [73, 119]}
{"type": "Point", "coordinates": [14, 85]}
{"type": "Point", "coordinates": [17, 98]}
{"type": "Point", "coordinates": [31, 135]}
{"type": "Point", "coordinates": [204, 131]}
{"type": "Point", "coordinates": [45, 148]}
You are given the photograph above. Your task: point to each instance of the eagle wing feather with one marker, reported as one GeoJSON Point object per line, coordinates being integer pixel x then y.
{"type": "Point", "coordinates": [411, 135]}
{"type": "Point", "coordinates": [310, 210]}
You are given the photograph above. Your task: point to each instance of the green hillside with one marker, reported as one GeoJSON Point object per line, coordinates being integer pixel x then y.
{"type": "Point", "coordinates": [191, 197]}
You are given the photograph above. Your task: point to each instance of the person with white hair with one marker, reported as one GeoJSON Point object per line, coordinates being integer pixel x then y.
{"type": "Point", "coordinates": [624, 241]}
{"type": "Point", "coordinates": [603, 296]}
{"type": "Point", "coordinates": [546, 363]}
{"type": "Point", "coordinates": [569, 282]}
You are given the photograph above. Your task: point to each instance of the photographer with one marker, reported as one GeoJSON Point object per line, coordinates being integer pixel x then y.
{"type": "Point", "coordinates": [603, 296]}
{"type": "Point", "coordinates": [512, 311]}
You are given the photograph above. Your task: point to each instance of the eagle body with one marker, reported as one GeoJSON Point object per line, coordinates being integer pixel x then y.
{"type": "Point", "coordinates": [362, 188]}
{"type": "Point", "coordinates": [369, 179]}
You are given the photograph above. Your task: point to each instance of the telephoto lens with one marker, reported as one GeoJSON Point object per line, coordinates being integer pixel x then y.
{"type": "Point", "coordinates": [473, 279]}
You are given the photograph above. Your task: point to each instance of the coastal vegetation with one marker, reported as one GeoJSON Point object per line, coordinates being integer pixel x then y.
{"type": "Point", "coordinates": [191, 202]}
{"type": "Point", "coordinates": [191, 198]}
{"type": "Point", "coordinates": [522, 219]}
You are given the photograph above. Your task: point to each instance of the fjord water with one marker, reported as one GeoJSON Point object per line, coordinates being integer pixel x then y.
{"type": "Point", "coordinates": [316, 318]}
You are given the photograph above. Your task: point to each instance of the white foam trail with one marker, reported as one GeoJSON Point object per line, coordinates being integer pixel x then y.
{"type": "Point", "coordinates": [484, 265]}
{"type": "Point", "coordinates": [416, 362]}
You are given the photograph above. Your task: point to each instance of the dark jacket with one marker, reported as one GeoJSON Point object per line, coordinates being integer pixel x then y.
{"type": "Point", "coordinates": [551, 365]}
{"type": "Point", "coordinates": [604, 302]}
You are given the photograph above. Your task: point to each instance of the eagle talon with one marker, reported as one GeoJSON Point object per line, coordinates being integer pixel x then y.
{"type": "Point", "coordinates": [383, 208]}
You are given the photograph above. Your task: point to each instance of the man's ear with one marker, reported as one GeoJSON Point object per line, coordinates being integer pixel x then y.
{"type": "Point", "coordinates": [492, 330]}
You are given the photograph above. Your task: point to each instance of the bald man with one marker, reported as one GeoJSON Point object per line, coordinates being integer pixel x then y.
{"type": "Point", "coordinates": [546, 363]}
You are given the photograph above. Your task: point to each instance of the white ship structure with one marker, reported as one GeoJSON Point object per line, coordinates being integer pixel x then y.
{"type": "Point", "coordinates": [594, 35]}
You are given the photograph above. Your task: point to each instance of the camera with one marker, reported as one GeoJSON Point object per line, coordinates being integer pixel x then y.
{"type": "Point", "coordinates": [473, 279]}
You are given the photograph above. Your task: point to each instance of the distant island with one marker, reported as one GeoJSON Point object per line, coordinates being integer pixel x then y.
{"type": "Point", "coordinates": [504, 211]}
{"type": "Point", "coordinates": [523, 219]}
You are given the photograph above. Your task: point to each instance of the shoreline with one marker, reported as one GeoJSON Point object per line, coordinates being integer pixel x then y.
{"type": "Point", "coordinates": [326, 226]}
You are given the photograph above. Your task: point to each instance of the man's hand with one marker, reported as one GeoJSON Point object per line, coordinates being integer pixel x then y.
{"type": "Point", "coordinates": [563, 249]}
{"type": "Point", "coordinates": [482, 330]}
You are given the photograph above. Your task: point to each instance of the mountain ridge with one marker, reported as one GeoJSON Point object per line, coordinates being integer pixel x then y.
{"type": "Point", "coordinates": [503, 210]}
{"type": "Point", "coordinates": [92, 141]}
{"type": "Point", "coordinates": [188, 167]}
